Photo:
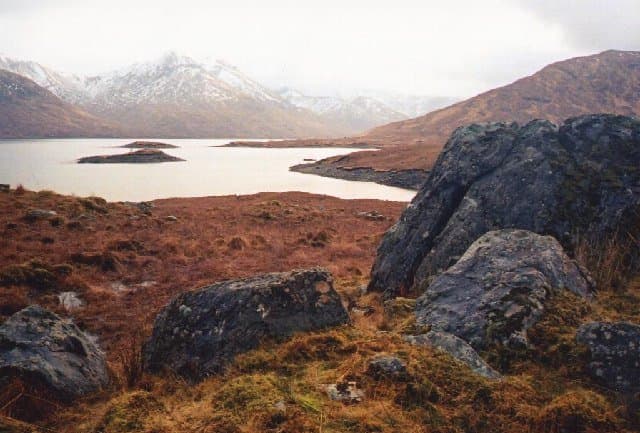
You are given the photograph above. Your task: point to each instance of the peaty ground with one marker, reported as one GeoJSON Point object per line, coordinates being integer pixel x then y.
{"type": "Point", "coordinates": [125, 263]}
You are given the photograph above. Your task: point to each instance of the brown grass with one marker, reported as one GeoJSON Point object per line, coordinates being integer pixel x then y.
{"type": "Point", "coordinates": [127, 264]}
{"type": "Point", "coordinates": [280, 387]}
{"type": "Point", "coordinates": [613, 261]}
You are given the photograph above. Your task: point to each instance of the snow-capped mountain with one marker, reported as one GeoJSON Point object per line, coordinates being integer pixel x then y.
{"type": "Point", "coordinates": [357, 113]}
{"type": "Point", "coordinates": [412, 105]}
{"type": "Point", "coordinates": [236, 79]}
{"type": "Point", "coordinates": [30, 110]}
{"type": "Point", "coordinates": [178, 96]}
{"type": "Point", "coordinates": [173, 79]}
{"type": "Point", "coordinates": [66, 87]}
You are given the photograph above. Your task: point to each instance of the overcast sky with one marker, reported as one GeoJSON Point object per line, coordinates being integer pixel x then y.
{"type": "Point", "coordinates": [452, 47]}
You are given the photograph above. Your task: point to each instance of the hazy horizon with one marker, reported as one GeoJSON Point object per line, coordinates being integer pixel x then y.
{"type": "Point", "coordinates": [453, 49]}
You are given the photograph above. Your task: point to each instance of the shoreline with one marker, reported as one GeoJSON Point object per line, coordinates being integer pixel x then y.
{"type": "Point", "coordinates": [409, 179]}
{"type": "Point", "coordinates": [339, 143]}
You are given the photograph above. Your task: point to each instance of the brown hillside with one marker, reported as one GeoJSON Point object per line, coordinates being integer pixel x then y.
{"type": "Point", "coordinates": [28, 110]}
{"type": "Point", "coordinates": [608, 82]}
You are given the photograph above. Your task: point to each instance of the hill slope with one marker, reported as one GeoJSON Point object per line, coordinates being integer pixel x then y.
{"type": "Point", "coordinates": [608, 82]}
{"type": "Point", "coordinates": [29, 110]}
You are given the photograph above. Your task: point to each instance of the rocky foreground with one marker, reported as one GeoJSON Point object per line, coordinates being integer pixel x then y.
{"type": "Point", "coordinates": [505, 299]}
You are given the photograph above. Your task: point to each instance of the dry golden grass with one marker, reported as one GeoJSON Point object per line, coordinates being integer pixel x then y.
{"type": "Point", "coordinates": [281, 388]}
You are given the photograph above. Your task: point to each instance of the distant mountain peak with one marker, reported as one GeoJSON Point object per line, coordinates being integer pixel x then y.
{"type": "Point", "coordinates": [357, 113]}
{"type": "Point", "coordinates": [172, 59]}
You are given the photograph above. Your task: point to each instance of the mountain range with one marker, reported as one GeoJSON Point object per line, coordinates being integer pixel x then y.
{"type": "Point", "coordinates": [176, 96]}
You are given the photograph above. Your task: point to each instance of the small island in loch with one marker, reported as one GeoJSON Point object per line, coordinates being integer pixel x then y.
{"type": "Point", "coordinates": [142, 156]}
{"type": "Point", "coordinates": [141, 144]}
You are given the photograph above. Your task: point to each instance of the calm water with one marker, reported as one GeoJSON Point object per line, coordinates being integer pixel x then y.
{"type": "Point", "coordinates": [50, 164]}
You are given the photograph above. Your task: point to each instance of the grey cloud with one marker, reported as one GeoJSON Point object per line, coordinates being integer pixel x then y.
{"type": "Point", "coordinates": [593, 24]}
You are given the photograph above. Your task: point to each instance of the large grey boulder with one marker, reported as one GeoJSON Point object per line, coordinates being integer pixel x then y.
{"type": "Point", "coordinates": [582, 177]}
{"type": "Point", "coordinates": [50, 354]}
{"type": "Point", "coordinates": [201, 331]}
{"type": "Point", "coordinates": [614, 354]}
{"type": "Point", "coordinates": [499, 287]}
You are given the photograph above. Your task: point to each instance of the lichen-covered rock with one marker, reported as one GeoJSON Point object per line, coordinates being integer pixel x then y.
{"type": "Point", "coordinates": [49, 353]}
{"type": "Point", "coordinates": [346, 392]}
{"type": "Point", "coordinates": [614, 354]}
{"type": "Point", "coordinates": [582, 177]}
{"type": "Point", "coordinates": [201, 331]}
{"type": "Point", "coordinates": [388, 367]}
{"type": "Point", "coordinates": [456, 347]}
{"type": "Point", "coordinates": [498, 289]}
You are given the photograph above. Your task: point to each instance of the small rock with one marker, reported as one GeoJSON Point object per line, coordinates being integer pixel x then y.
{"type": "Point", "coordinates": [614, 354]}
{"type": "Point", "coordinates": [70, 300]}
{"type": "Point", "coordinates": [143, 206]}
{"type": "Point", "coordinates": [119, 287]}
{"type": "Point", "coordinates": [373, 216]}
{"type": "Point", "coordinates": [388, 367]}
{"type": "Point", "coordinates": [37, 214]}
{"type": "Point", "coordinates": [362, 310]}
{"type": "Point", "coordinates": [456, 347]}
{"type": "Point", "coordinates": [171, 218]}
{"type": "Point", "coordinates": [347, 392]}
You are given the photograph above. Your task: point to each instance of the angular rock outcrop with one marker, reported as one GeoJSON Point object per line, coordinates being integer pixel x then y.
{"type": "Point", "coordinates": [50, 354]}
{"type": "Point", "coordinates": [201, 331]}
{"type": "Point", "coordinates": [456, 347]}
{"type": "Point", "coordinates": [582, 177]}
{"type": "Point", "coordinates": [498, 289]}
{"type": "Point", "coordinates": [614, 354]}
